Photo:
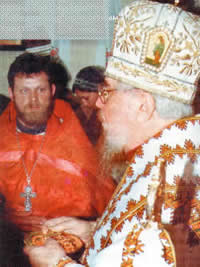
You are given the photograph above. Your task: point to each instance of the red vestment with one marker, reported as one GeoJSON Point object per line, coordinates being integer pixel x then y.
{"type": "Point", "coordinates": [65, 177]}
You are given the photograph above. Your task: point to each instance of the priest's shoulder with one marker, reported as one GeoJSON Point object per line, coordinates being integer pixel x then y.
{"type": "Point", "coordinates": [62, 108]}
{"type": "Point", "coordinates": [5, 116]}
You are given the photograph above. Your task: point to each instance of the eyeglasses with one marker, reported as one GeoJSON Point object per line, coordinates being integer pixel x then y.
{"type": "Point", "coordinates": [104, 94]}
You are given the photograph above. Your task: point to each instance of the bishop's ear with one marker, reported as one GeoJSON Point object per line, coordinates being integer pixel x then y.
{"type": "Point", "coordinates": [147, 106]}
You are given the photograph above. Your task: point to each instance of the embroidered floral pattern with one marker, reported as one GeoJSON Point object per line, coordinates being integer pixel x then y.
{"type": "Point", "coordinates": [146, 172]}
{"type": "Point", "coordinates": [92, 243]}
{"type": "Point", "coordinates": [179, 148]}
{"type": "Point", "coordinates": [113, 222]}
{"type": "Point", "coordinates": [126, 190]}
{"type": "Point", "coordinates": [139, 152]}
{"type": "Point", "coordinates": [182, 124]}
{"type": "Point", "coordinates": [190, 147]}
{"type": "Point", "coordinates": [132, 240]}
{"type": "Point", "coordinates": [103, 241]}
{"type": "Point", "coordinates": [147, 169]}
{"type": "Point", "coordinates": [128, 39]}
{"type": "Point", "coordinates": [130, 171]}
{"type": "Point", "coordinates": [166, 152]}
{"type": "Point", "coordinates": [127, 263]}
{"type": "Point", "coordinates": [119, 227]}
{"type": "Point", "coordinates": [189, 58]}
{"type": "Point", "coordinates": [168, 253]}
{"type": "Point", "coordinates": [169, 200]}
{"type": "Point", "coordinates": [132, 246]}
{"type": "Point", "coordinates": [158, 135]}
{"type": "Point", "coordinates": [141, 210]}
{"type": "Point", "coordinates": [133, 209]}
{"type": "Point", "coordinates": [131, 204]}
{"type": "Point", "coordinates": [128, 208]}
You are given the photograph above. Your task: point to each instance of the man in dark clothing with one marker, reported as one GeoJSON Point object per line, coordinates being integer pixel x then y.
{"type": "Point", "coordinates": [85, 87]}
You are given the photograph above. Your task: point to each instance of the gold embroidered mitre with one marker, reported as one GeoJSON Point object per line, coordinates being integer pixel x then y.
{"type": "Point", "coordinates": [156, 48]}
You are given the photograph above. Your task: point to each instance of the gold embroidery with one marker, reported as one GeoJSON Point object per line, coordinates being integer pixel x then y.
{"type": "Point", "coordinates": [127, 263]}
{"type": "Point", "coordinates": [119, 227]}
{"type": "Point", "coordinates": [181, 124]}
{"type": "Point", "coordinates": [103, 242]}
{"type": "Point", "coordinates": [191, 55]}
{"type": "Point", "coordinates": [170, 200]}
{"type": "Point", "coordinates": [132, 245]}
{"type": "Point", "coordinates": [190, 147]}
{"type": "Point", "coordinates": [138, 207]}
{"type": "Point", "coordinates": [181, 151]}
{"type": "Point", "coordinates": [113, 222]}
{"type": "Point", "coordinates": [131, 204]}
{"type": "Point", "coordinates": [190, 119]}
{"type": "Point", "coordinates": [147, 169]}
{"type": "Point", "coordinates": [166, 153]}
{"type": "Point", "coordinates": [172, 85]}
{"type": "Point", "coordinates": [158, 135]}
{"type": "Point", "coordinates": [128, 33]}
{"type": "Point", "coordinates": [139, 152]}
{"type": "Point", "coordinates": [112, 203]}
{"type": "Point", "coordinates": [169, 251]}
{"type": "Point", "coordinates": [130, 171]}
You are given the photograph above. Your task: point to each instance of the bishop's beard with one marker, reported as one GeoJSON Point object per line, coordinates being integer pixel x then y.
{"type": "Point", "coordinates": [113, 160]}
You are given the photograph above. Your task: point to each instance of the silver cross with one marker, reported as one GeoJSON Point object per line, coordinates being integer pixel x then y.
{"type": "Point", "coordinates": [28, 195]}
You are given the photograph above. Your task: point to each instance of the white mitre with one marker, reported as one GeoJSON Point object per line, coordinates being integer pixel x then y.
{"type": "Point", "coordinates": [156, 47]}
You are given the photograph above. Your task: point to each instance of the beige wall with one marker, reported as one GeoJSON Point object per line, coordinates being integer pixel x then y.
{"type": "Point", "coordinates": [6, 58]}
{"type": "Point", "coordinates": [125, 2]}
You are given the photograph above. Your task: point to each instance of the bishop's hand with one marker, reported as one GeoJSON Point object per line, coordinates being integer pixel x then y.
{"type": "Point", "coordinates": [47, 255]}
{"type": "Point", "coordinates": [72, 225]}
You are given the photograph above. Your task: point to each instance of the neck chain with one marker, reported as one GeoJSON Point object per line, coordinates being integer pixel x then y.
{"type": "Point", "coordinates": [39, 130]}
{"type": "Point", "coordinates": [28, 194]}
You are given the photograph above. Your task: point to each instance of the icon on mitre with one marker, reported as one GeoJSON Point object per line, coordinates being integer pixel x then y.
{"type": "Point", "coordinates": [157, 46]}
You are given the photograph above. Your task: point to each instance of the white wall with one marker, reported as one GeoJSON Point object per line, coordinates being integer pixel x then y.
{"type": "Point", "coordinates": [6, 58]}
{"type": "Point", "coordinates": [75, 53]}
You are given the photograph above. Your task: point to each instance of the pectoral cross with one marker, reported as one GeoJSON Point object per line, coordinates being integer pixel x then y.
{"type": "Point", "coordinates": [28, 194]}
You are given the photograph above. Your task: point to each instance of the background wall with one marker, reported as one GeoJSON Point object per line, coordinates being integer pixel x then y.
{"type": "Point", "coordinates": [6, 57]}
{"type": "Point", "coordinates": [19, 18]}
{"type": "Point", "coordinates": [75, 53]}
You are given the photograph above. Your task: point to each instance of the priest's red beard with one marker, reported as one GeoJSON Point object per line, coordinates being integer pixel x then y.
{"type": "Point", "coordinates": [34, 117]}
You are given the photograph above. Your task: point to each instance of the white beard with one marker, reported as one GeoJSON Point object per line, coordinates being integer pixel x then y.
{"type": "Point", "coordinates": [118, 171]}
{"type": "Point", "coordinates": [115, 139]}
